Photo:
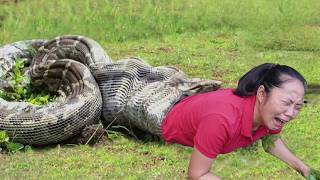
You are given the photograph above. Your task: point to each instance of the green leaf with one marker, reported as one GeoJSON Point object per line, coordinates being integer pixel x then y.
{"type": "Point", "coordinates": [3, 137]}
{"type": "Point", "coordinates": [314, 175]}
{"type": "Point", "coordinates": [14, 147]}
{"type": "Point", "coordinates": [311, 177]}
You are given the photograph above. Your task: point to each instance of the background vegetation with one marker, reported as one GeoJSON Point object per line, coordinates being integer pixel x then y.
{"type": "Point", "coordinates": [207, 38]}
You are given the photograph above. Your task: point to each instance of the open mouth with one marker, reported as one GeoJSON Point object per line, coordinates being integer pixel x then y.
{"type": "Point", "coordinates": [280, 121]}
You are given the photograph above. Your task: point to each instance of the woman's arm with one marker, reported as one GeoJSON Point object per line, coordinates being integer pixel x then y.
{"type": "Point", "coordinates": [281, 151]}
{"type": "Point", "coordinates": [199, 167]}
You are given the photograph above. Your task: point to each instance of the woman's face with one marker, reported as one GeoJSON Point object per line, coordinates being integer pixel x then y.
{"type": "Point", "coordinates": [281, 104]}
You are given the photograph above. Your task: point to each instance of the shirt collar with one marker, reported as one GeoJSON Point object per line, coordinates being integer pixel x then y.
{"type": "Point", "coordinates": [247, 116]}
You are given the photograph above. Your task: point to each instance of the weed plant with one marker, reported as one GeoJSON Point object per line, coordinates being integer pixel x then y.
{"type": "Point", "coordinates": [21, 88]}
{"type": "Point", "coordinates": [7, 146]}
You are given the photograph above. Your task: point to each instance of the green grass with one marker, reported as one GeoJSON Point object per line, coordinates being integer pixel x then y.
{"type": "Point", "coordinates": [208, 39]}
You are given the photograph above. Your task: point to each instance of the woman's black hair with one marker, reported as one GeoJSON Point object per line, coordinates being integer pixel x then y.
{"type": "Point", "coordinates": [268, 75]}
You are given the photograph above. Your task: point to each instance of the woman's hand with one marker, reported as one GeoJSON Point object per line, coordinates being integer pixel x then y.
{"type": "Point", "coordinates": [199, 167]}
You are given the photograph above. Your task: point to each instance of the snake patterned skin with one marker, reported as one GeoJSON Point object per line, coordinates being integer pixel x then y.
{"type": "Point", "coordinates": [136, 94]}
{"type": "Point", "coordinates": [133, 93]}
{"type": "Point", "coordinates": [79, 102]}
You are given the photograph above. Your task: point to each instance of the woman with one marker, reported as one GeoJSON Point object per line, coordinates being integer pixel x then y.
{"type": "Point", "coordinates": [218, 122]}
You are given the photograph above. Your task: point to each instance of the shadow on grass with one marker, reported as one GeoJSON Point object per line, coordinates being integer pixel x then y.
{"type": "Point", "coordinates": [97, 135]}
{"type": "Point", "coordinates": [313, 94]}
{"type": "Point", "coordinates": [313, 89]}
{"type": "Point", "coordinates": [135, 134]}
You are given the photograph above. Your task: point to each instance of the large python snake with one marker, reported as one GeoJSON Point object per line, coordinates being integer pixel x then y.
{"type": "Point", "coordinates": [91, 87]}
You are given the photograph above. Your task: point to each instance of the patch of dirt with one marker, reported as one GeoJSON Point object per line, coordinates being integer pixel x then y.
{"type": "Point", "coordinates": [221, 36]}
{"type": "Point", "coordinates": [155, 160]}
{"type": "Point", "coordinates": [313, 94]}
{"type": "Point", "coordinates": [313, 88]}
{"type": "Point", "coordinates": [9, 1]}
{"type": "Point", "coordinates": [312, 26]}
{"type": "Point", "coordinates": [219, 74]}
{"type": "Point", "coordinates": [166, 49]}
{"type": "Point", "coordinates": [2, 17]}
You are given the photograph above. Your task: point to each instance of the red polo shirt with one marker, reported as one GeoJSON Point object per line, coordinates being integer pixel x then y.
{"type": "Point", "coordinates": [215, 123]}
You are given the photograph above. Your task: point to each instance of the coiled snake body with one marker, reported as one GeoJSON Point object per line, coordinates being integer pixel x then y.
{"type": "Point", "coordinates": [90, 86]}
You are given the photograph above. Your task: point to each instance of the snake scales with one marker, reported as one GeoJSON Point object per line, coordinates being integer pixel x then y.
{"type": "Point", "coordinates": [91, 87]}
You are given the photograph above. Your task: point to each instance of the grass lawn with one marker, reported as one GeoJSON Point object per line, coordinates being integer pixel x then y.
{"type": "Point", "coordinates": [208, 39]}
